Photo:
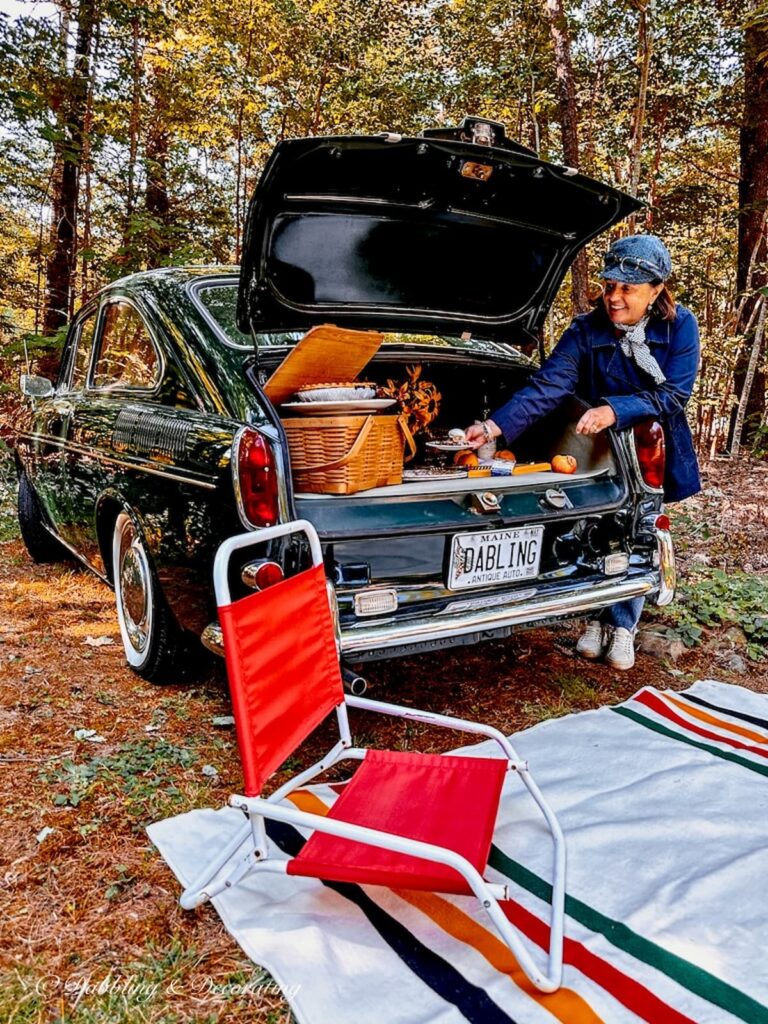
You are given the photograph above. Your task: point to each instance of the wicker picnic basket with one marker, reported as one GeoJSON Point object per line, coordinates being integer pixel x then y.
{"type": "Point", "coordinates": [344, 454]}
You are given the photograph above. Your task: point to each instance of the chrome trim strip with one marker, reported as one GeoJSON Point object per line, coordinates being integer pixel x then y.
{"type": "Point", "coordinates": [79, 556]}
{"type": "Point", "coordinates": [102, 457]}
{"type": "Point", "coordinates": [233, 467]}
{"type": "Point", "coordinates": [394, 634]}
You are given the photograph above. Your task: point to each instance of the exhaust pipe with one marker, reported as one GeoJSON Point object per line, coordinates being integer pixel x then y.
{"type": "Point", "coordinates": [354, 683]}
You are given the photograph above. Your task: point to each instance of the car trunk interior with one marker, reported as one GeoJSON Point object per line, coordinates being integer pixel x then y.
{"type": "Point", "coordinates": [471, 391]}
{"type": "Point", "coordinates": [402, 534]}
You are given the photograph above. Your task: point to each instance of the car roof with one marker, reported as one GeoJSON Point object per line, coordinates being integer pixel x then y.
{"type": "Point", "coordinates": [180, 275]}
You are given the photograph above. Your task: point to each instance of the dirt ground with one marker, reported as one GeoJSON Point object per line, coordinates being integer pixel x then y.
{"type": "Point", "coordinates": [91, 929]}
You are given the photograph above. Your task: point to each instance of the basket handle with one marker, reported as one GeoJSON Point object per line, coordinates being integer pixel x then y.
{"type": "Point", "coordinates": [402, 422]}
{"type": "Point", "coordinates": [358, 444]}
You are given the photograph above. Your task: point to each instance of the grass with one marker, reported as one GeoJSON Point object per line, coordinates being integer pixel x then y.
{"type": "Point", "coordinates": [140, 991]}
{"type": "Point", "coordinates": [565, 693]}
{"type": "Point", "coordinates": [143, 774]}
{"type": "Point", "coordinates": [712, 598]}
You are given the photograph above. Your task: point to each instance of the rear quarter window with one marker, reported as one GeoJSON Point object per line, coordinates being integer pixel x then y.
{"type": "Point", "coordinates": [127, 358]}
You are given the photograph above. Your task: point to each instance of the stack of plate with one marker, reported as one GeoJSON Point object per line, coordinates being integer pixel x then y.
{"type": "Point", "coordinates": [331, 399]}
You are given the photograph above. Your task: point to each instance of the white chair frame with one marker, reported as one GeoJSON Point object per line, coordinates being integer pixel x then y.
{"type": "Point", "coordinates": [257, 809]}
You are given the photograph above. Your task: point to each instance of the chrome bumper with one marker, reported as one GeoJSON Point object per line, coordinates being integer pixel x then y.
{"type": "Point", "coordinates": [656, 584]}
{"type": "Point", "coordinates": [667, 570]}
{"type": "Point", "coordinates": [581, 600]}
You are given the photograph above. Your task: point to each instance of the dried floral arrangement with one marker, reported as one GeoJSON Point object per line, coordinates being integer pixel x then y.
{"type": "Point", "coordinates": [419, 400]}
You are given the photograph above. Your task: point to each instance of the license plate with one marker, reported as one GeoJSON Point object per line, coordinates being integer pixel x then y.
{"type": "Point", "coordinates": [494, 556]}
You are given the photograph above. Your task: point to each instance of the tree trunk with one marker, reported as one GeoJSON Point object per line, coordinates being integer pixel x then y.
{"type": "Point", "coordinates": [61, 264]}
{"type": "Point", "coordinates": [754, 355]}
{"type": "Point", "coordinates": [157, 199]}
{"type": "Point", "coordinates": [87, 164]}
{"type": "Point", "coordinates": [588, 156]}
{"type": "Point", "coordinates": [128, 253]}
{"type": "Point", "coordinates": [654, 185]}
{"type": "Point", "coordinates": [753, 202]}
{"type": "Point", "coordinates": [638, 122]}
{"type": "Point", "coordinates": [569, 127]}
{"type": "Point", "coordinates": [240, 193]}
{"type": "Point", "coordinates": [534, 130]}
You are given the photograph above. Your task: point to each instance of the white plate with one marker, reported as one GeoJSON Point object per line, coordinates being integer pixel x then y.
{"type": "Point", "coordinates": [448, 447]}
{"type": "Point", "coordinates": [328, 408]}
{"type": "Point", "coordinates": [359, 393]}
{"type": "Point", "coordinates": [434, 474]}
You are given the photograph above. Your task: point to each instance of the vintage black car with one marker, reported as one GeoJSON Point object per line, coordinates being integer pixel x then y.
{"type": "Point", "coordinates": [157, 441]}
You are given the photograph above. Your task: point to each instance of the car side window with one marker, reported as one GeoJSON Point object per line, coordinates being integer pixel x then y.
{"type": "Point", "coordinates": [82, 357]}
{"type": "Point", "coordinates": [126, 358]}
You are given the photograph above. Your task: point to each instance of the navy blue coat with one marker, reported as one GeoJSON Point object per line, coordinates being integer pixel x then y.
{"type": "Point", "coordinates": [589, 362]}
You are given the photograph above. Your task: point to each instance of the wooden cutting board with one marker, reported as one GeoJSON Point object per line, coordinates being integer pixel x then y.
{"type": "Point", "coordinates": [531, 467]}
{"type": "Point", "coordinates": [324, 355]}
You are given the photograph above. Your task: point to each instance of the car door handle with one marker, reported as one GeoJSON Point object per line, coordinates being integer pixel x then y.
{"type": "Point", "coordinates": [62, 407]}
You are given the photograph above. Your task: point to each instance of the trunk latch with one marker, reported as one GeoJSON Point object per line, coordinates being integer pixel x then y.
{"type": "Point", "coordinates": [484, 504]}
{"type": "Point", "coordinates": [555, 497]}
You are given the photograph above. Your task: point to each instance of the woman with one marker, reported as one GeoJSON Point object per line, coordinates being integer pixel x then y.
{"type": "Point", "coordinates": [634, 357]}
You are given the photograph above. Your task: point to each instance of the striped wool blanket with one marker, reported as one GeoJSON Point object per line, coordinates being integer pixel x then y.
{"type": "Point", "coordinates": [664, 805]}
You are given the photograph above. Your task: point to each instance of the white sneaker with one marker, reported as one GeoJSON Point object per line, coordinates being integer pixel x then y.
{"type": "Point", "coordinates": [593, 641]}
{"type": "Point", "coordinates": [621, 650]}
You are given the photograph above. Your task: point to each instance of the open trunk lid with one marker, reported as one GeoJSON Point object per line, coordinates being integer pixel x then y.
{"type": "Point", "coordinates": [434, 234]}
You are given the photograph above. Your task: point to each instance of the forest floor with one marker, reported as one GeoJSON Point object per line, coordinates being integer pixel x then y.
{"type": "Point", "coordinates": [91, 931]}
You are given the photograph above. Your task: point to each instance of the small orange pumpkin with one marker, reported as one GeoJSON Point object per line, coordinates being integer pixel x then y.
{"type": "Point", "coordinates": [564, 464]}
{"type": "Point", "coordinates": [466, 459]}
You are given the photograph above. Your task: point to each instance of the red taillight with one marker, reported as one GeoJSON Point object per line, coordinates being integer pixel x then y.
{"type": "Point", "coordinates": [255, 479]}
{"type": "Point", "coordinates": [267, 574]}
{"type": "Point", "coordinates": [649, 445]}
{"type": "Point", "coordinates": [662, 522]}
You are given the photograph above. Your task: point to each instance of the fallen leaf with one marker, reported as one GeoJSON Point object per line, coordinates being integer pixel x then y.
{"type": "Point", "coordinates": [98, 641]}
{"type": "Point", "coordinates": [90, 735]}
{"type": "Point", "coordinates": [222, 721]}
{"type": "Point", "coordinates": [43, 834]}
{"type": "Point", "coordinates": [210, 771]}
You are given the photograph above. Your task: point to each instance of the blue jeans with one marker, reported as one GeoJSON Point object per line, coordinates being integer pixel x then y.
{"type": "Point", "coordinates": [625, 614]}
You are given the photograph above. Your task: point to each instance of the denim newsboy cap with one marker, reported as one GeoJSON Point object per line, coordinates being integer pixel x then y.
{"type": "Point", "coordinates": [637, 259]}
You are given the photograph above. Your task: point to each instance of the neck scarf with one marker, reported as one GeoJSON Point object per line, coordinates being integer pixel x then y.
{"type": "Point", "coordinates": [634, 345]}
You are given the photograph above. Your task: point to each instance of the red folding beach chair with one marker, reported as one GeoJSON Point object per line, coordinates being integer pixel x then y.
{"type": "Point", "coordinates": [395, 823]}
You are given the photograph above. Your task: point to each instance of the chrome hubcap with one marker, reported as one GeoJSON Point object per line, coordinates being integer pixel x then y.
{"type": "Point", "coordinates": [134, 588]}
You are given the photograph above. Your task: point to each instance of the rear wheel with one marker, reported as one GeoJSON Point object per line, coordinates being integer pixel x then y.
{"type": "Point", "coordinates": [155, 646]}
{"type": "Point", "coordinates": [38, 540]}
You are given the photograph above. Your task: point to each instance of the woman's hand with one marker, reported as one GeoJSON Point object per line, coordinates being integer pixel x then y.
{"type": "Point", "coordinates": [477, 436]}
{"type": "Point", "coordinates": [595, 420]}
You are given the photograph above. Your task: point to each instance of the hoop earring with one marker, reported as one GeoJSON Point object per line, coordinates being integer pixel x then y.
{"type": "Point", "coordinates": [650, 308]}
